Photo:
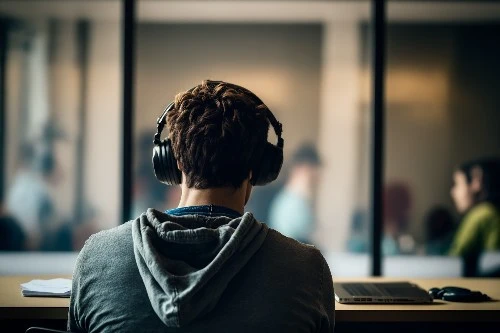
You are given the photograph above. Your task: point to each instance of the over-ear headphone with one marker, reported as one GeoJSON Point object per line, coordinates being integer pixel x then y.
{"type": "Point", "coordinates": [265, 171]}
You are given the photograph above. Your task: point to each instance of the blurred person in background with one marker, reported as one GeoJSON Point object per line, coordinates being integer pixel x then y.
{"type": "Point", "coordinates": [358, 236]}
{"type": "Point", "coordinates": [13, 233]}
{"type": "Point", "coordinates": [261, 200]}
{"type": "Point", "coordinates": [30, 199]}
{"type": "Point", "coordinates": [20, 188]}
{"type": "Point", "coordinates": [476, 194]}
{"type": "Point", "coordinates": [292, 210]}
{"type": "Point", "coordinates": [397, 208]}
{"type": "Point", "coordinates": [440, 228]}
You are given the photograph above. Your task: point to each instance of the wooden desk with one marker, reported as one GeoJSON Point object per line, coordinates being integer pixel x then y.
{"type": "Point", "coordinates": [438, 311]}
{"type": "Point", "coordinates": [13, 306]}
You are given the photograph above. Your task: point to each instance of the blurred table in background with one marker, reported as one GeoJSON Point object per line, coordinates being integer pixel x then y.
{"type": "Point", "coordinates": [346, 264]}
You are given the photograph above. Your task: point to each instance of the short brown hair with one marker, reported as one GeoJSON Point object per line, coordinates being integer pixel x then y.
{"type": "Point", "coordinates": [218, 134]}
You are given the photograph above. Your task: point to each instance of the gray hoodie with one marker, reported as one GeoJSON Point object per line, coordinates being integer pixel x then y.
{"type": "Point", "coordinates": [194, 273]}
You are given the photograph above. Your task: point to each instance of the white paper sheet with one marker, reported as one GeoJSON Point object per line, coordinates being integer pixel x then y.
{"type": "Point", "coordinates": [47, 288]}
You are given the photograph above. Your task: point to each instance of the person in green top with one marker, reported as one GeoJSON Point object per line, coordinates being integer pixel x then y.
{"type": "Point", "coordinates": [476, 193]}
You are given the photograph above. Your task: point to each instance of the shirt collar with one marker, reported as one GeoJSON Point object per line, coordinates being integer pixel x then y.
{"type": "Point", "coordinates": [206, 210]}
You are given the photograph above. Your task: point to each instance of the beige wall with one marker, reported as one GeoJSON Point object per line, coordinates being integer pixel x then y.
{"type": "Point", "coordinates": [64, 97]}
{"type": "Point", "coordinates": [280, 63]}
{"type": "Point", "coordinates": [442, 108]}
{"type": "Point", "coordinates": [344, 185]}
{"type": "Point", "coordinates": [102, 165]}
{"type": "Point", "coordinates": [418, 121]}
{"type": "Point", "coordinates": [13, 106]}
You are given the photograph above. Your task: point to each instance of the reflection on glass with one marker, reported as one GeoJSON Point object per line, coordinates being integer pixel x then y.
{"type": "Point", "coordinates": [62, 130]}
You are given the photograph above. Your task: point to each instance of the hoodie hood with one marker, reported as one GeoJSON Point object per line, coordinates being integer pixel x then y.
{"type": "Point", "coordinates": [186, 262]}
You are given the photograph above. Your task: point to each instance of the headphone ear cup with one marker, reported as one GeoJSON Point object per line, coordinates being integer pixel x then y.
{"type": "Point", "coordinates": [269, 166]}
{"type": "Point", "coordinates": [157, 163]}
{"type": "Point", "coordinates": [165, 164]}
{"type": "Point", "coordinates": [275, 169]}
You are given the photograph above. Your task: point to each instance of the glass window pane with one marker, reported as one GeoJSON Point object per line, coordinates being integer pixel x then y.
{"type": "Point", "coordinates": [305, 60]}
{"type": "Point", "coordinates": [63, 95]}
{"type": "Point", "coordinates": [442, 111]}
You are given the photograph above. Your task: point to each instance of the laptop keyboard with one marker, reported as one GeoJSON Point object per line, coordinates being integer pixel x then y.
{"type": "Point", "coordinates": [359, 289]}
{"type": "Point", "coordinates": [402, 289]}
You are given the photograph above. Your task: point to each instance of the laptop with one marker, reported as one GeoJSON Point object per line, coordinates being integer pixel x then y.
{"type": "Point", "coordinates": [380, 293]}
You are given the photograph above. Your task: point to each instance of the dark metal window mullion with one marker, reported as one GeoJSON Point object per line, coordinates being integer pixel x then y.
{"type": "Point", "coordinates": [82, 36]}
{"type": "Point", "coordinates": [378, 12]}
{"type": "Point", "coordinates": [3, 111]}
{"type": "Point", "coordinates": [128, 38]}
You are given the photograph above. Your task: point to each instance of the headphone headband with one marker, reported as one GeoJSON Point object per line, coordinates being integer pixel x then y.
{"type": "Point", "coordinates": [161, 122]}
{"type": "Point", "coordinates": [277, 126]}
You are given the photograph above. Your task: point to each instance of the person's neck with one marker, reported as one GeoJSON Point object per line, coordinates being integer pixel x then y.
{"type": "Point", "coordinates": [225, 196]}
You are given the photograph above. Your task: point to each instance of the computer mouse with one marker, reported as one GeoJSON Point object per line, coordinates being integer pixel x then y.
{"type": "Point", "coordinates": [457, 290]}
{"type": "Point", "coordinates": [434, 292]}
{"type": "Point", "coordinates": [457, 294]}
{"type": "Point", "coordinates": [471, 296]}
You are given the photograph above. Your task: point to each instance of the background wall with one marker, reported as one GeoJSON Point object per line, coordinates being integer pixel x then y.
{"type": "Point", "coordinates": [442, 107]}
{"type": "Point", "coordinates": [102, 165]}
{"type": "Point", "coordinates": [278, 62]}
{"type": "Point", "coordinates": [43, 86]}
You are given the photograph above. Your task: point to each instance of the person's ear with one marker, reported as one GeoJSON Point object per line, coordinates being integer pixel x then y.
{"type": "Point", "coordinates": [183, 175]}
{"type": "Point", "coordinates": [476, 184]}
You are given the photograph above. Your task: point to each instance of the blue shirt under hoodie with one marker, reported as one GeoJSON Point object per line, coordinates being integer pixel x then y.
{"type": "Point", "coordinates": [199, 269]}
